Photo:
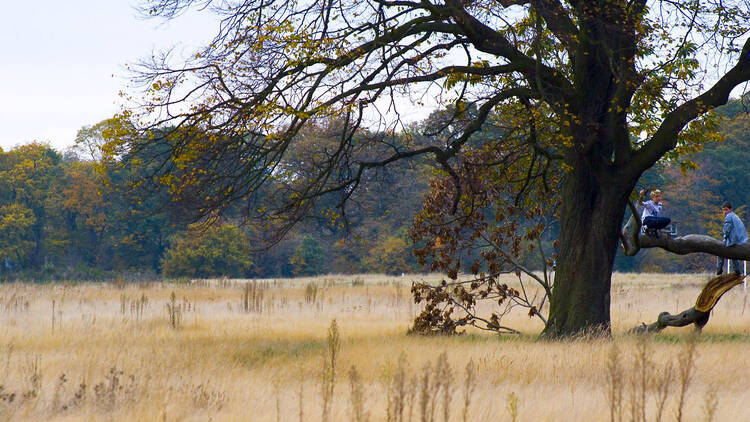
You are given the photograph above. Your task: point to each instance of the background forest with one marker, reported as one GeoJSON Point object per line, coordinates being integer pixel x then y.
{"type": "Point", "coordinates": [66, 215]}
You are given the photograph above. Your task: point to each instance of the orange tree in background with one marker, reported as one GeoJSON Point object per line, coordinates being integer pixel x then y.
{"type": "Point", "coordinates": [586, 96]}
{"type": "Point", "coordinates": [90, 208]}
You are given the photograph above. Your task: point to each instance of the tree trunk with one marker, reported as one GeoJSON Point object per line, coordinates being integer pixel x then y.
{"type": "Point", "coordinates": [590, 217]}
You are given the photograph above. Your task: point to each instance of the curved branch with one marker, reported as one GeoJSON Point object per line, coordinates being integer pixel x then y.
{"type": "Point", "coordinates": [558, 21]}
{"type": "Point", "coordinates": [521, 267]}
{"type": "Point", "coordinates": [629, 233]}
{"type": "Point", "coordinates": [490, 41]}
{"type": "Point", "coordinates": [665, 138]}
{"type": "Point", "coordinates": [698, 314]}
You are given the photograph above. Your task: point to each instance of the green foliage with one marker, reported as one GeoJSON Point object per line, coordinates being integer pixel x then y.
{"type": "Point", "coordinates": [16, 233]}
{"type": "Point", "coordinates": [31, 175]}
{"type": "Point", "coordinates": [92, 218]}
{"type": "Point", "coordinates": [392, 255]}
{"type": "Point", "coordinates": [308, 258]}
{"type": "Point", "coordinates": [209, 252]}
{"type": "Point", "coordinates": [89, 209]}
{"type": "Point", "coordinates": [67, 217]}
{"type": "Point", "coordinates": [728, 160]}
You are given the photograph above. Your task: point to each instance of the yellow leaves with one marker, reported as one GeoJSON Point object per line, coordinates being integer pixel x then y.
{"type": "Point", "coordinates": [687, 165]}
{"type": "Point", "coordinates": [454, 78]}
{"type": "Point", "coordinates": [16, 231]}
{"type": "Point", "coordinates": [168, 180]}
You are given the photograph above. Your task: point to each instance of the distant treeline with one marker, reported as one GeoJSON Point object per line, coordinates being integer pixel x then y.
{"type": "Point", "coordinates": [66, 215]}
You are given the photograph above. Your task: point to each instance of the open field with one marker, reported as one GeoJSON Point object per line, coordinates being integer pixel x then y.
{"type": "Point", "coordinates": [216, 350]}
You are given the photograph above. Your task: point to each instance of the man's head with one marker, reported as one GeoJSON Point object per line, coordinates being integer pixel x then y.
{"type": "Point", "coordinates": [726, 207]}
{"type": "Point", "coordinates": [656, 195]}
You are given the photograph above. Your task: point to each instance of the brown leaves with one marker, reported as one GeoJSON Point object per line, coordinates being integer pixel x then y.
{"type": "Point", "coordinates": [450, 306]}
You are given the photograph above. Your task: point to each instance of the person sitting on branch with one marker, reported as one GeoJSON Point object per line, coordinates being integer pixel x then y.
{"type": "Point", "coordinates": [651, 220]}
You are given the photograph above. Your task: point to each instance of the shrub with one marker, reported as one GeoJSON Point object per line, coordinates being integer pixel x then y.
{"type": "Point", "coordinates": [209, 252]}
{"type": "Point", "coordinates": [308, 258]}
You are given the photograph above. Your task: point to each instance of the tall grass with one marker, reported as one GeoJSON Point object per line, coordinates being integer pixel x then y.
{"type": "Point", "coordinates": [292, 362]}
{"type": "Point", "coordinates": [328, 374]}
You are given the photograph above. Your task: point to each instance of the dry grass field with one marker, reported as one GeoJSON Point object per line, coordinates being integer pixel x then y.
{"type": "Point", "coordinates": [231, 351]}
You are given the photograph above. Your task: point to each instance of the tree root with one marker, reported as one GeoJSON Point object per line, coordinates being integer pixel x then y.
{"type": "Point", "coordinates": [700, 313]}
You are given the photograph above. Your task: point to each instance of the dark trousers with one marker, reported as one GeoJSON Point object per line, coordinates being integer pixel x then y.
{"type": "Point", "coordinates": [656, 223]}
{"type": "Point", "coordinates": [720, 266]}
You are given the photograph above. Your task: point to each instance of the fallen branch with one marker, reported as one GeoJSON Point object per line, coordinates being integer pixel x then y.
{"type": "Point", "coordinates": [700, 313]}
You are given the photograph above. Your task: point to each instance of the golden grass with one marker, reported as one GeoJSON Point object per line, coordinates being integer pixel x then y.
{"type": "Point", "coordinates": [223, 363]}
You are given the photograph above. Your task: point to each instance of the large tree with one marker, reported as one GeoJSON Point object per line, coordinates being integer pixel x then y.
{"type": "Point", "coordinates": [596, 91]}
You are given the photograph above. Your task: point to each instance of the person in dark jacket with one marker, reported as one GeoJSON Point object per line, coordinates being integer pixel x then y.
{"type": "Point", "coordinates": [734, 234]}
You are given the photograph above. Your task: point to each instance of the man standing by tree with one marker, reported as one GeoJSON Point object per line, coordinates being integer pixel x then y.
{"type": "Point", "coordinates": [734, 234]}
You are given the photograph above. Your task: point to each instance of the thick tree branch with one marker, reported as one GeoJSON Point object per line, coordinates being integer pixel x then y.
{"type": "Point", "coordinates": [665, 138]}
{"type": "Point", "coordinates": [559, 22]}
{"type": "Point", "coordinates": [489, 40]}
{"type": "Point", "coordinates": [693, 243]}
{"type": "Point", "coordinates": [629, 233]}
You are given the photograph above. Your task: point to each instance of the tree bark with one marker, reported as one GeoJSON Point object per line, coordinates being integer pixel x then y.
{"type": "Point", "coordinates": [589, 236]}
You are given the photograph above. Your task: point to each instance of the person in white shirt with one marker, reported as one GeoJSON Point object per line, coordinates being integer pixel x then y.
{"type": "Point", "coordinates": [650, 218]}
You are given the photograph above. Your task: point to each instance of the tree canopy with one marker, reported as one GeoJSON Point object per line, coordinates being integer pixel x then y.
{"type": "Point", "coordinates": [582, 98]}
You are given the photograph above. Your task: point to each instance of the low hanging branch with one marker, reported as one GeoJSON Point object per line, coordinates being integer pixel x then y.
{"type": "Point", "coordinates": [698, 314]}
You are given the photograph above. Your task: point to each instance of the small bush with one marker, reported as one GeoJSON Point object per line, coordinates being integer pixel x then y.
{"type": "Point", "coordinates": [209, 252]}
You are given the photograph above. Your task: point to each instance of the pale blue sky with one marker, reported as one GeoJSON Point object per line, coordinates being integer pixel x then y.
{"type": "Point", "coordinates": [62, 63]}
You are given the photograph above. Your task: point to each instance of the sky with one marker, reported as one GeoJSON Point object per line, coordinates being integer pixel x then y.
{"type": "Point", "coordinates": [62, 63]}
